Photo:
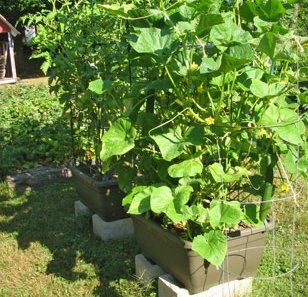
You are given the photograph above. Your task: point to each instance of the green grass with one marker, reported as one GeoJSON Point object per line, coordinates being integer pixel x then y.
{"type": "Point", "coordinates": [32, 130]}
{"type": "Point", "coordinates": [277, 259]}
{"type": "Point", "coordinates": [46, 251]}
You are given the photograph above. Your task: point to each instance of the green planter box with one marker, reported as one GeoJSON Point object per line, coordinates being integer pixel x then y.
{"type": "Point", "coordinates": [175, 256]}
{"type": "Point", "coordinates": [103, 198]}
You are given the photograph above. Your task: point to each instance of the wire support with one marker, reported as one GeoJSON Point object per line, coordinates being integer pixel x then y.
{"type": "Point", "coordinates": [273, 200]}
{"type": "Point", "coordinates": [241, 276]}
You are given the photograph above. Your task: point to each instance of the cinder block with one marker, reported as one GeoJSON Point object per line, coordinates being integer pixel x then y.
{"type": "Point", "coordinates": [112, 230]}
{"type": "Point", "coordinates": [81, 209]}
{"type": "Point", "coordinates": [146, 272]}
{"type": "Point", "coordinates": [169, 287]}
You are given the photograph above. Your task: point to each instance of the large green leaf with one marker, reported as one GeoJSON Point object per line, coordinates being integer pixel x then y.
{"type": "Point", "coordinates": [209, 65]}
{"type": "Point", "coordinates": [234, 174]}
{"type": "Point", "coordinates": [194, 135]}
{"type": "Point", "coordinates": [140, 200]}
{"type": "Point", "coordinates": [119, 139]}
{"type": "Point", "coordinates": [212, 246]}
{"type": "Point", "coordinates": [248, 10]}
{"type": "Point", "coordinates": [156, 198]}
{"type": "Point", "coordinates": [170, 142]}
{"type": "Point", "coordinates": [261, 89]}
{"type": "Point", "coordinates": [118, 10]}
{"type": "Point", "coordinates": [127, 200]}
{"type": "Point", "coordinates": [99, 86]}
{"type": "Point", "coordinates": [252, 215]}
{"type": "Point", "coordinates": [268, 43]}
{"type": "Point", "coordinates": [284, 122]}
{"type": "Point", "coordinates": [273, 9]}
{"type": "Point", "coordinates": [291, 133]}
{"type": "Point", "coordinates": [270, 116]}
{"type": "Point", "coordinates": [207, 21]}
{"type": "Point", "coordinates": [152, 40]}
{"type": "Point", "coordinates": [290, 162]}
{"type": "Point", "coordinates": [161, 197]}
{"type": "Point", "coordinates": [276, 46]}
{"type": "Point", "coordinates": [225, 214]}
{"type": "Point", "coordinates": [235, 57]}
{"type": "Point", "coordinates": [228, 33]}
{"type": "Point", "coordinates": [175, 210]}
{"type": "Point", "coordinates": [186, 168]}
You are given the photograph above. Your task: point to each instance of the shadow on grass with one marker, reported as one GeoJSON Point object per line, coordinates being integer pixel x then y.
{"type": "Point", "coordinates": [46, 215]}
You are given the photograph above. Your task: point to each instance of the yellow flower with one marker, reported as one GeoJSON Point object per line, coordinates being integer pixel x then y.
{"type": "Point", "coordinates": [262, 133]}
{"type": "Point", "coordinates": [194, 66]}
{"type": "Point", "coordinates": [209, 121]}
{"type": "Point", "coordinates": [284, 187]}
{"type": "Point", "coordinates": [200, 89]}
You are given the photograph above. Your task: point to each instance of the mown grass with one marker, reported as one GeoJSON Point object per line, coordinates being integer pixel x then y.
{"type": "Point", "coordinates": [289, 237]}
{"type": "Point", "coordinates": [46, 251]}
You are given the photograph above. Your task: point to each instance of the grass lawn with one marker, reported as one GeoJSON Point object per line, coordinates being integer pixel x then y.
{"type": "Point", "coordinates": [46, 251]}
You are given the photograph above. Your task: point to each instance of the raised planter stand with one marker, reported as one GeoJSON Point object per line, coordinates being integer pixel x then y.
{"type": "Point", "coordinates": [118, 229]}
{"type": "Point", "coordinates": [81, 209]}
{"type": "Point", "coordinates": [146, 271]}
{"type": "Point", "coordinates": [169, 287]}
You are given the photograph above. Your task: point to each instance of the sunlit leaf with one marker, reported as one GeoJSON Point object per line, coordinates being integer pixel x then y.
{"type": "Point", "coordinates": [212, 246]}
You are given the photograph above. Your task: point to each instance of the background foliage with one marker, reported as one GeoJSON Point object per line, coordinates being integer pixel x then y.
{"type": "Point", "coordinates": [32, 131]}
{"type": "Point", "coordinates": [13, 10]}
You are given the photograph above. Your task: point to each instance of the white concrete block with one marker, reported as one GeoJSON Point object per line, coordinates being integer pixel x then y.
{"type": "Point", "coordinates": [146, 272]}
{"type": "Point", "coordinates": [112, 230]}
{"type": "Point", "coordinates": [168, 287]}
{"type": "Point", "coordinates": [81, 209]}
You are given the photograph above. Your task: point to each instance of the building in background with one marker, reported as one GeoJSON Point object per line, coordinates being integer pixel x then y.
{"type": "Point", "coordinates": [7, 58]}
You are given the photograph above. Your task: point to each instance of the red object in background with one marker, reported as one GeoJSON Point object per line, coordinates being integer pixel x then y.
{"type": "Point", "coordinates": [4, 28]}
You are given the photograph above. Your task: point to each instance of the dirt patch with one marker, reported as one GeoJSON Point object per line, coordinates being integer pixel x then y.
{"type": "Point", "coordinates": [34, 81]}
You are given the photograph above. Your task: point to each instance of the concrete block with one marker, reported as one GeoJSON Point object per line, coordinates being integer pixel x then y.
{"type": "Point", "coordinates": [146, 271]}
{"type": "Point", "coordinates": [112, 230]}
{"type": "Point", "coordinates": [169, 287]}
{"type": "Point", "coordinates": [81, 209]}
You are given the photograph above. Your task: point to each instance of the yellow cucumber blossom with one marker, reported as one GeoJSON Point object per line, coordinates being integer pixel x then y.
{"type": "Point", "coordinates": [284, 187]}
{"type": "Point", "coordinates": [200, 89]}
{"type": "Point", "coordinates": [262, 133]}
{"type": "Point", "coordinates": [209, 121]}
{"type": "Point", "coordinates": [193, 66]}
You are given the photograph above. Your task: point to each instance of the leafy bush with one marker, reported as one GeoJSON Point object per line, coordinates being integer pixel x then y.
{"type": "Point", "coordinates": [88, 64]}
{"type": "Point", "coordinates": [32, 131]}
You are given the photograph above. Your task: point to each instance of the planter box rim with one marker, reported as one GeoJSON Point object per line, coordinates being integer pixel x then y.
{"type": "Point", "coordinates": [111, 182]}
{"type": "Point", "coordinates": [188, 244]}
